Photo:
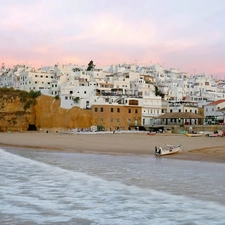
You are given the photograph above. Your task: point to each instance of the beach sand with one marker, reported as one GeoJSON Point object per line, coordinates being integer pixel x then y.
{"type": "Point", "coordinates": [195, 148]}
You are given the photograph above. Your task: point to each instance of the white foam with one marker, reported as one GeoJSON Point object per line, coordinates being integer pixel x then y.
{"type": "Point", "coordinates": [43, 193]}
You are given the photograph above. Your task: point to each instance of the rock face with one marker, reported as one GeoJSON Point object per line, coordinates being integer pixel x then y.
{"type": "Point", "coordinates": [46, 114]}
{"type": "Point", "coordinates": [12, 114]}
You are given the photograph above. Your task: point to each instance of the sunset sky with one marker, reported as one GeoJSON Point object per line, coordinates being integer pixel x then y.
{"type": "Point", "coordinates": [188, 35]}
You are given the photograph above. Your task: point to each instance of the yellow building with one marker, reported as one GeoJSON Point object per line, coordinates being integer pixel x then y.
{"type": "Point", "coordinates": [117, 117]}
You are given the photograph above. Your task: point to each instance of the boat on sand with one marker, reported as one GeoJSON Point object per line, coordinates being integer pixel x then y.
{"type": "Point", "coordinates": [169, 149]}
{"type": "Point", "coordinates": [194, 134]}
{"type": "Point", "coordinates": [151, 133]}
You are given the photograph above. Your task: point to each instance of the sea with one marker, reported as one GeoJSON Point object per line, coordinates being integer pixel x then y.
{"type": "Point", "coordinates": [49, 187]}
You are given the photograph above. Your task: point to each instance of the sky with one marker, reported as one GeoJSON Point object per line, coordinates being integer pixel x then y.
{"type": "Point", "coordinates": [188, 35]}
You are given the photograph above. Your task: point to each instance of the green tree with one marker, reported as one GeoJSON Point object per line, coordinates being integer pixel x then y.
{"type": "Point", "coordinates": [75, 69]}
{"type": "Point", "coordinates": [90, 66]}
{"type": "Point", "coordinates": [158, 92]}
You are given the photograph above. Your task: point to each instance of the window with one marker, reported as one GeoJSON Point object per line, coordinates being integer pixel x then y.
{"type": "Point", "coordinates": [96, 109]}
{"type": "Point", "coordinates": [179, 110]}
{"type": "Point", "coordinates": [213, 109]}
{"type": "Point", "coordinates": [171, 110]}
{"type": "Point", "coordinates": [101, 120]}
{"type": "Point", "coordinates": [118, 110]}
{"type": "Point", "coordinates": [66, 97]}
{"type": "Point", "coordinates": [129, 110]}
{"type": "Point", "coordinates": [136, 111]}
{"type": "Point", "coordinates": [85, 92]}
{"type": "Point", "coordinates": [102, 110]}
{"type": "Point", "coordinates": [117, 120]}
{"type": "Point", "coordinates": [111, 120]}
{"type": "Point", "coordinates": [111, 109]}
{"type": "Point", "coordinates": [143, 121]}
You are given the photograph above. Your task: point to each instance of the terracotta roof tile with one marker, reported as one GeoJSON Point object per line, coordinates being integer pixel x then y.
{"type": "Point", "coordinates": [217, 102]}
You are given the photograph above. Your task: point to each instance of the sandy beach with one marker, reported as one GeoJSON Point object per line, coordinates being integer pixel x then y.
{"type": "Point", "coordinates": [195, 148]}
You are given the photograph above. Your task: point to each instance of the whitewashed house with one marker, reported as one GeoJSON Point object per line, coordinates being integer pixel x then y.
{"type": "Point", "coordinates": [37, 80]}
{"type": "Point", "coordinates": [182, 106]}
{"type": "Point", "coordinates": [151, 108]}
{"type": "Point", "coordinates": [214, 112]}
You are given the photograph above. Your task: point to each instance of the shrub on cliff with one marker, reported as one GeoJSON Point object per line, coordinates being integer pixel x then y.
{"type": "Point", "coordinates": [29, 103]}
{"type": "Point", "coordinates": [28, 98]}
{"type": "Point", "coordinates": [5, 89]}
{"type": "Point", "coordinates": [34, 94]}
{"type": "Point", "coordinates": [24, 95]}
{"type": "Point", "coordinates": [57, 97]}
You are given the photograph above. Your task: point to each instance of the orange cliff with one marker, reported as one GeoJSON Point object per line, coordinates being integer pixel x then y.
{"type": "Point", "coordinates": [46, 114]}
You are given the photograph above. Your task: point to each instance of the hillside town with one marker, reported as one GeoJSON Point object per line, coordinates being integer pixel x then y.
{"type": "Point", "coordinates": [126, 96]}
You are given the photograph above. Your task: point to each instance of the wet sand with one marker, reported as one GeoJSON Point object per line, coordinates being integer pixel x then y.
{"type": "Point", "coordinates": [195, 148]}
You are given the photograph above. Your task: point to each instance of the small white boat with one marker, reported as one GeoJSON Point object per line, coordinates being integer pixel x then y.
{"type": "Point", "coordinates": [169, 149]}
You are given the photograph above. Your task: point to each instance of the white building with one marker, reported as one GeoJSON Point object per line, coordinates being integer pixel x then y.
{"type": "Point", "coordinates": [214, 112]}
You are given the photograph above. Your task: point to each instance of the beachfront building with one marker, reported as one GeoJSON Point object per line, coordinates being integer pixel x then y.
{"type": "Point", "coordinates": [151, 108]}
{"type": "Point", "coordinates": [214, 112]}
{"type": "Point", "coordinates": [117, 116]}
{"type": "Point", "coordinates": [182, 106]}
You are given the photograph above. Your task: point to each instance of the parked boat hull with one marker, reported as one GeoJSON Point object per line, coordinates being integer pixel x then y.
{"type": "Point", "coordinates": [194, 135]}
{"type": "Point", "coordinates": [170, 149]}
{"type": "Point", "coordinates": [151, 133]}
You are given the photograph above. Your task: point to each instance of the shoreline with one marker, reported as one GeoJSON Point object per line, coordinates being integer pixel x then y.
{"type": "Point", "coordinates": [195, 148]}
